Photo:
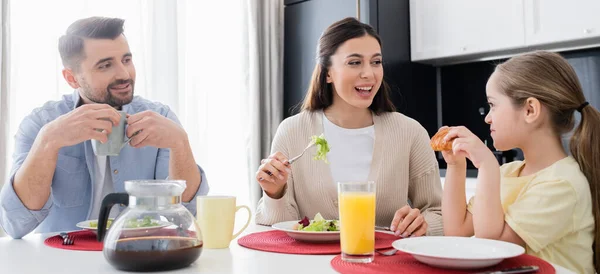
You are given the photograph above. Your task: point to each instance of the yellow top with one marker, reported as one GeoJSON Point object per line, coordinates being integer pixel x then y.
{"type": "Point", "coordinates": [551, 210]}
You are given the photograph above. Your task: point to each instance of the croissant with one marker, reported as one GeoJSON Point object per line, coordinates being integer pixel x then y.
{"type": "Point", "coordinates": [438, 143]}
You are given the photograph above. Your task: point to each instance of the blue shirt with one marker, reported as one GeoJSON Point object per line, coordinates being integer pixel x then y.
{"type": "Point", "coordinates": [72, 188]}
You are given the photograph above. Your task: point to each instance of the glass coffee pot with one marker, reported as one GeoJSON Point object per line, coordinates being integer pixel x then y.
{"type": "Point", "coordinates": [155, 231]}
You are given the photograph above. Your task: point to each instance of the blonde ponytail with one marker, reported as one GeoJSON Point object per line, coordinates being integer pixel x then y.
{"type": "Point", "coordinates": [585, 148]}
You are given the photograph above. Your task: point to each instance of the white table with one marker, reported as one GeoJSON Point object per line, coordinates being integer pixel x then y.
{"type": "Point", "coordinates": [30, 255]}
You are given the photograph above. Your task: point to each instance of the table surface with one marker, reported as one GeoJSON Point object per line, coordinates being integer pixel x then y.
{"type": "Point", "coordinates": [31, 255]}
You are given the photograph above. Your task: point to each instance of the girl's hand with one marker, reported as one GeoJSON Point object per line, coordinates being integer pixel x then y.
{"type": "Point", "coordinates": [466, 144]}
{"type": "Point", "coordinates": [451, 158]}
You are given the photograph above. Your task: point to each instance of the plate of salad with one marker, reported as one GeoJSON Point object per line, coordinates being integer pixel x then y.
{"type": "Point", "coordinates": [315, 230]}
{"type": "Point", "coordinates": [132, 227]}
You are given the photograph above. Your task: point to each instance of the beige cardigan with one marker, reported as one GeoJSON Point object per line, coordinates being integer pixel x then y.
{"type": "Point", "coordinates": [403, 168]}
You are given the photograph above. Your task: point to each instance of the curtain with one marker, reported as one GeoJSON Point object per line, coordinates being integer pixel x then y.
{"type": "Point", "coordinates": [264, 81]}
{"type": "Point", "coordinates": [4, 63]}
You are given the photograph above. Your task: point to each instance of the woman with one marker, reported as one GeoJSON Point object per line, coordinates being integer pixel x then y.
{"type": "Point", "coordinates": [349, 103]}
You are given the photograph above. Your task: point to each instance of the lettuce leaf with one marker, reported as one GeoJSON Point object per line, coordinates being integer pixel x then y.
{"type": "Point", "coordinates": [322, 147]}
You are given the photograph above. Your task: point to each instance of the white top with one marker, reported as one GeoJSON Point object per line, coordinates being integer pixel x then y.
{"type": "Point", "coordinates": [16, 257]}
{"type": "Point", "coordinates": [351, 151]}
{"type": "Point", "coordinates": [103, 185]}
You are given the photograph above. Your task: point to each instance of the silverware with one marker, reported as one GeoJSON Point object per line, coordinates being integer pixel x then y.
{"type": "Point", "coordinates": [387, 252]}
{"type": "Point", "coordinates": [298, 157]}
{"type": "Point", "coordinates": [291, 161]}
{"type": "Point", "coordinates": [67, 240]}
{"type": "Point", "coordinates": [384, 228]}
{"type": "Point", "coordinates": [387, 228]}
{"type": "Point", "coordinates": [514, 270]}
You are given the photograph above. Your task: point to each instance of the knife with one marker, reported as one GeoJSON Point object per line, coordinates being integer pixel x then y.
{"type": "Point", "coordinates": [384, 228]}
{"type": "Point", "coordinates": [514, 270]}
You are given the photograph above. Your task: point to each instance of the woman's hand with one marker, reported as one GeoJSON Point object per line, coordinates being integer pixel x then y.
{"type": "Point", "coordinates": [272, 174]}
{"type": "Point", "coordinates": [408, 222]}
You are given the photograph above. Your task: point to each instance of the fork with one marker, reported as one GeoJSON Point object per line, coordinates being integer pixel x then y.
{"type": "Point", "coordinates": [67, 240]}
{"type": "Point", "coordinates": [290, 161]}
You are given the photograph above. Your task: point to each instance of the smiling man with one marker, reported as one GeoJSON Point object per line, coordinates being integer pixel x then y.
{"type": "Point", "coordinates": [56, 180]}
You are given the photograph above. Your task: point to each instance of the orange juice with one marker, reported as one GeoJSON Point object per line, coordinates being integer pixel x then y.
{"type": "Point", "coordinates": [357, 221]}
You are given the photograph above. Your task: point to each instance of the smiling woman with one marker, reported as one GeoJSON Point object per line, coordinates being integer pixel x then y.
{"type": "Point", "coordinates": [349, 103]}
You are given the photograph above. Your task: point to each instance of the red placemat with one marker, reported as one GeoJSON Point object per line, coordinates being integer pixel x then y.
{"type": "Point", "coordinates": [82, 240]}
{"type": "Point", "coordinates": [406, 263]}
{"type": "Point", "coordinates": [280, 242]}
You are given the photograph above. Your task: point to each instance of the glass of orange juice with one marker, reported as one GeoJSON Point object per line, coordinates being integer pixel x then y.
{"type": "Point", "coordinates": [357, 221]}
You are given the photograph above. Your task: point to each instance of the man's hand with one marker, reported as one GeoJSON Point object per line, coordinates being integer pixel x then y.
{"type": "Point", "coordinates": [90, 121]}
{"type": "Point", "coordinates": [153, 129]}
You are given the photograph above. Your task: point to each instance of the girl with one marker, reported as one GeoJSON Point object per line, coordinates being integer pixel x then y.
{"type": "Point", "coordinates": [548, 203]}
{"type": "Point", "coordinates": [348, 101]}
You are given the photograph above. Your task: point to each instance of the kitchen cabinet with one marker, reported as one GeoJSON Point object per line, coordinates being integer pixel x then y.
{"type": "Point", "coordinates": [461, 31]}
{"type": "Point", "coordinates": [556, 21]}
{"type": "Point", "coordinates": [441, 29]}
{"type": "Point", "coordinates": [304, 23]}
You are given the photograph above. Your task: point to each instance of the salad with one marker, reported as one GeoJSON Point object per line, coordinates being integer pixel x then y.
{"type": "Point", "coordinates": [131, 223]}
{"type": "Point", "coordinates": [322, 147]}
{"type": "Point", "coordinates": [317, 224]}
{"type": "Point", "coordinates": [136, 223]}
{"type": "Point", "coordinates": [95, 223]}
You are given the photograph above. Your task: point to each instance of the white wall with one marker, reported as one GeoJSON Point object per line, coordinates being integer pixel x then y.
{"type": "Point", "coordinates": [469, 187]}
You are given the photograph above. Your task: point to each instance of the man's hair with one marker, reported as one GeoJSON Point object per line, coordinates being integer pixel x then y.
{"type": "Point", "coordinates": [70, 45]}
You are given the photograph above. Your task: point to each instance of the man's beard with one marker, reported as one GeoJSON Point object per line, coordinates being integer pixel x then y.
{"type": "Point", "coordinates": [105, 97]}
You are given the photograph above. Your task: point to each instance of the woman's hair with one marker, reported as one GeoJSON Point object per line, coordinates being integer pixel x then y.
{"type": "Point", "coordinates": [549, 78]}
{"type": "Point", "coordinates": [320, 93]}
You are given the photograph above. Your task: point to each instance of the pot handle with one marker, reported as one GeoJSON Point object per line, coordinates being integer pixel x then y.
{"type": "Point", "coordinates": [108, 202]}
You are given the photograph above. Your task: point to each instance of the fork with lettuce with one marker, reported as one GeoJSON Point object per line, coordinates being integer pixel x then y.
{"type": "Point", "coordinates": [322, 149]}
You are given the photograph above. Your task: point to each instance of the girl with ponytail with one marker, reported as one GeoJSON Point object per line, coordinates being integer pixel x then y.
{"type": "Point", "coordinates": [548, 203]}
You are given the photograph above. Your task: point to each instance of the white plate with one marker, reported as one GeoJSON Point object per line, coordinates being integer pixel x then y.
{"type": "Point", "coordinates": [128, 232]}
{"type": "Point", "coordinates": [307, 236]}
{"type": "Point", "coordinates": [458, 252]}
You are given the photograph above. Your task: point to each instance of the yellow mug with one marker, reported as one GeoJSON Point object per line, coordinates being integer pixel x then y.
{"type": "Point", "coordinates": [216, 219]}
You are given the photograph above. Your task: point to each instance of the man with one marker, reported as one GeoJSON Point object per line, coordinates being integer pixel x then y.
{"type": "Point", "coordinates": [56, 180]}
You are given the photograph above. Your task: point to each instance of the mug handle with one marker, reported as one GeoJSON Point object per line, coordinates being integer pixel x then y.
{"type": "Point", "coordinates": [128, 139]}
{"type": "Point", "coordinates": [247, 222]}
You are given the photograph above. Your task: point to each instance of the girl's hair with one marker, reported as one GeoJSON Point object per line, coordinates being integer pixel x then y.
{"type": "Point", "coordinates": [320, 93]}
{"type": "Point", "coordinates": [549, 78]}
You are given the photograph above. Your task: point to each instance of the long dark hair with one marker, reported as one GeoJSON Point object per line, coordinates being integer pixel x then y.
{"type": "Point", "coordinates": [320, 93]}
{"type": "Point", "coordinates": [549, 78]}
